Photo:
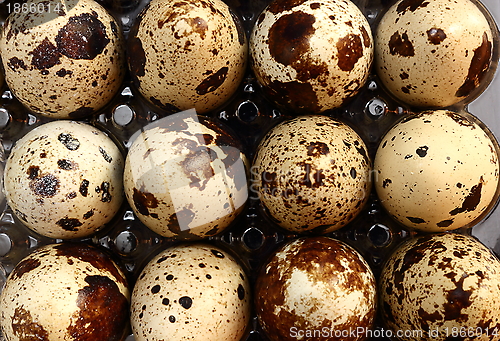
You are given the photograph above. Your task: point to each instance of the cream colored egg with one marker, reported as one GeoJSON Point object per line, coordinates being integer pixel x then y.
{"type": "Point", "coordinates": [194, 291]}
{"type": "Point", "coordinates": [436, 53]}
{"type": "Point", "coordinates": [63, 292]}
{"type": "Point", "coordinates": [185, 177]}
{"type": "Point", "coordinates": [312, 174]}
{"type": "Point", "coordinates": [187, 54]}
{"type": "Point", "coordinates": [441, 287]}
{"type": "Point", "coordinates": [313, 289]}
{"type": "Point", "coordinates": [62, 59]}
{"type": "Point", "coordinates": [437, 171]}
{"type": "Point", "coordinates": [63, 179]}
{"type": "Point", "coordinates": [311, 56]}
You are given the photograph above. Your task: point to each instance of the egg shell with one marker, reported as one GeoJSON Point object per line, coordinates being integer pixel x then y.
{"type": "Point", "coordinates": [187, 54]}
{"type": "Point", "coordinates": [191, 291]}
{"type": "Point", "coordinates": [63, 179]}
{"type": "Point", "coordinates": [437, 171]}
{"type": "Point", "coordinates": [312, 285]}
{"type": "Point", "coordinates": [312, 174]}
{"type": "Point", "coordinates": [434, 54]}
{"type": "Point", "coordinates": [65, 291]}
{"type": "Point", "coordinates": [312, 55]}
{"type": "Point", "coordinates": [185, 177]}
{"type": "Point", "coordinates": [63, 59]}
{"type": "Point", "coordinates": [442, 285]}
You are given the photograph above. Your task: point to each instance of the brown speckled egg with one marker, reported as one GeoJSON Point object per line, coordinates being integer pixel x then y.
{"type": "Point", "coordinates": [187, 54]}
{"type": "Point", "coordinates": [191, 292]}
{"type": "Point", "coordinates": [65, 292]}
{"type": "Point", "coordinates": [441, 287]}
{"type": "Point", "coordinates": [434, 53]}
{"type": "Point", "coordinates": [437, 171]}
{"type": "Point", "coordinates": [63, 179]}
{"type": "Point", "coordinates": [185, 177]}
{"type": "Point", "coordinates": [312, 55]}
{"type": "Point", "coordinates": [63, 59]}
{"type": "Point", "coordinates": [313, 289]}
{"type": "Point", "coordinates": [311, 174]}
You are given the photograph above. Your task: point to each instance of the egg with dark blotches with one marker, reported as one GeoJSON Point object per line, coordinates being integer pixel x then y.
{"type": "Point", "coordinates": [311, 56]}
{"type": "Point", "coordinates": [187, 54]}
{"type": "Point", "coordinates": [441, 287]}
{"type": "Point", "coordinates": [185, 177]}
{"type": "Point", "coordinates": [63, 179]}
{"type": "Point", "coordinates": [63, 59]}
{"type": "Point", "coordinates": [437, 171]}
{"type": "Point", "coordinates": [191, 291]}
{"type": "Point", "coordinates": [434, 54]}
{"type": "Point", "coordinates": [67, 291]}
{"type": "Point", "coordinates": [315, 288]}
{"type": "Point", "coordinates": [312, 174]}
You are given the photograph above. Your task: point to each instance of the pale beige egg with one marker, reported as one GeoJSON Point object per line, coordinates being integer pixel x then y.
{"type": "Point", "coordinates": [191, 291]}
{"type": "Point", "coordinates": [437, 171]}
{"type": "Point", "coordinates": [63, 59]}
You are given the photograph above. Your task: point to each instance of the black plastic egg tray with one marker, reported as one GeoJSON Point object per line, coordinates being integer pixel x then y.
{"type": "Point", "coordinates": [253, 236]}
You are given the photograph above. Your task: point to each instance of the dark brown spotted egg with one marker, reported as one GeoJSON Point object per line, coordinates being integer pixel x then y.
{"type": "Point", "coordinates": [191, 292]}
{"type": "Point", "coordinates": [62, 59]}
{"type": "Point", "coordinates": [316, 288]}
{"type": "Point", "coordinates": [311, 174]}
{"type": "Point", "coordinates": [437, 171]}
{"type": "Point", "coordinates": [441, 287]}
{"type": "Point", "coordinates": [434, 53]}
{"type": "Point", "coordinates": [185, 177]}
{"type": "Point", "coordinates": [311, 55]}
{"type": "Point", "coordinates": [63, 179]}
{"type": "Point", "coordinates": [65, 291]}
{"type": "Point", "coordinates": [187, 54]}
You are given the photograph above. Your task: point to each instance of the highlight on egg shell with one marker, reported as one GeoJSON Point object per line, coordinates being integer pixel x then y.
{"type": "Point", "coordinates": [437, 171]}
{"type": "Point", "coordinates": [312, 174]}
{"type": "Point", "coordinates": [63, 59]}
{"type": "Point", "coordinates": [441, 287]}
{"type": "Point", "coordinates": [315, 285]}
{"type": "Point", "coordinates": [191, 291]}
{"type": "Point", "coordinates": [187, 54]}
{"type": "Point", "coordinates": [433, 54]}
{"type": "Point", "coordinates": [186, 176]}
{"type": "Point", "coordinates": [311, 56]}
{"type": "Point", "coordinates": [63, 179]}
{"type": "Point", "coordinates": [68, 291]}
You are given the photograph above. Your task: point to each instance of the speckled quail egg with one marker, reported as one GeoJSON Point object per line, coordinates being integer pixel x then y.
{"type": "Point", "coordinates": [191, 291]}
{"type": "Point", "coordinates": [65, 291]}
{"type": "Point", "coordinates": [63, 59]}
{"type": "Point", "coordinates": [311, 174]}
{"type": "Point", "coordinates": [437, 171]}
{"type": "Point", "coordinates": [441, 287]}
{"type": "Point", "coordinates": [436, 53]}
{"type": "Point", "coordinates": [185, 177]}
{"type": "Point", "coordinates": [316, 288]}
{"type": "Point", "coordinates": [63, 179]}
{"type": "Point", "coordinates": [312, 55]}
{"type": "Point", "coordinates": [187, 54]}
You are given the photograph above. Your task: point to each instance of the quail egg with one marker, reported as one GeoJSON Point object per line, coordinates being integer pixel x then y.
{"type": "Point", "coordinates": [437, 171]}
{"type": "Point", "coordinates": [62, 59]}
{"type": "Point", "coordinates": [63, 179]}
{"type": "Point", "coordinates": [65, 291]}
{"type": "Point", "coordinates": [312, 174]}
{"type": "Point", "coordinates": [191, 291]}
{"type": "Point", "coordinates": [434, 54]}
{"type": "Point", "coordinates": [313, 55]}
{"type": "Point", "coordinates": [185, 176]}
{"type": "Point", "coordinates": [441, 287]}
{"type": "Point", "coordinates": [316, 288]}
{"type": "Point", "coordinates": [187, 54]}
